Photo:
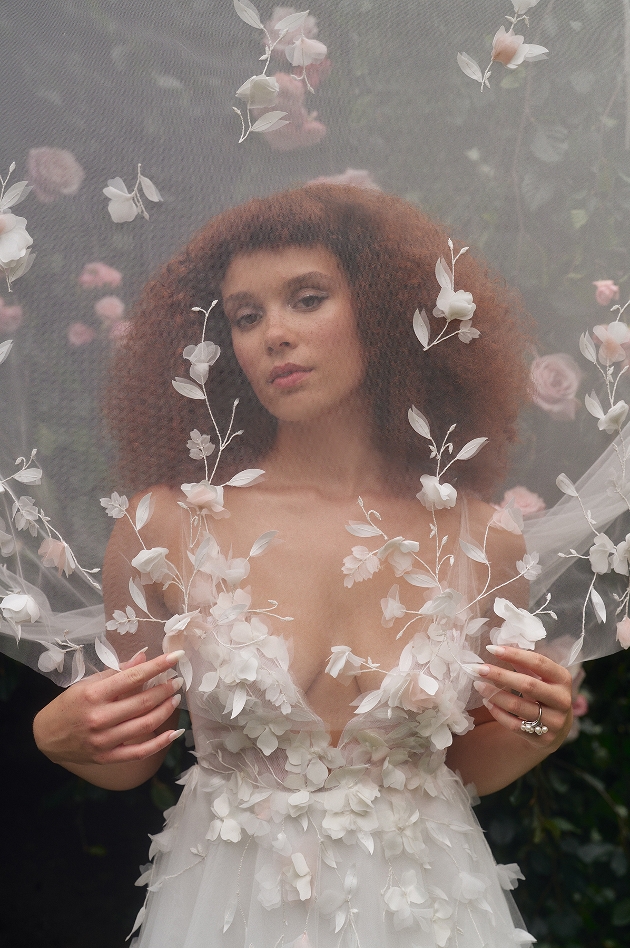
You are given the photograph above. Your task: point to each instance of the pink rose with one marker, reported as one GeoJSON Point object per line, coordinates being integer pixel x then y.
{"type": "Point", "coordinates": [623, 632]}
{"type": "Point", "coordinates": [79, 334]}
{"type": "Point", "coordinates": [605, 291]}
{"type": "Point", "coordinates": [308, 28]}
{"type": "Point", "coordinates": [580, 706]}
{"type": "Point", "coordinates": [10, 318]}
{"type": "Point", "coordinates": [53, 172]}
{"type": "Point", "coordinates": [505, 46]}
{"type": "Point", "coordinates": [357, 178]}
{"type": "Point", "coordinates": [118, 331]}
{"type": "Point", "coordinates": [109, 309]}
{"type": "Point", "coordinates": [302, 130]}
{"type": "Point", "coordinates": [524, 500]}
{"type": "Point", "coordinates": [317, 72]}
{"type": "Point", "coordinates": [556, 379]}
{"type": "Point", "coordinates": [96, 275]}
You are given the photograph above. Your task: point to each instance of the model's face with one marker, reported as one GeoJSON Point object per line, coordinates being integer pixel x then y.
{"type": "Point", "coordinates": [294, 331]}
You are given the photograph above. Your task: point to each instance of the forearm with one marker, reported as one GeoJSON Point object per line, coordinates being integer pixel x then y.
{"type": "Point", "coordinates": [124, 776]}
{"type": "Point", "coordinates": [492, 757]}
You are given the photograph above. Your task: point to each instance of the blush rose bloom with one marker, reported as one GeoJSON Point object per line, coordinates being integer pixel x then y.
{"type": "Point", "coordinates": [556, 379]}
{"type": "Point", "coordinates": [109, 309]}
{"type": "Point", "coordinates": [308, 29]}
{"type": "Point", "coordinates": [57, 553]}
{"type": "Point", "coordinates": [96, 275]}
{"type": "Point", "coordinates": [524, 500]}
{"type": "Point", "coordinates": [510, 49]}
{"type": "Point", "coordinates": [79, 334]}
{"type": "Point", "coordinates": [302, 129]}
{"type": "Point", "coordinates": [53, 172]}
{"type": "Point", "coordinates": [10, 317]}
{"type": "Point", "coordinates": [605, 291]}
{"type": "Point", "coordinates": [206, 497]}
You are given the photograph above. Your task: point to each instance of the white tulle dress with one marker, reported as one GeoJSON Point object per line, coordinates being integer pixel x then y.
{"type": "Point", "coordinates": [281, 838]}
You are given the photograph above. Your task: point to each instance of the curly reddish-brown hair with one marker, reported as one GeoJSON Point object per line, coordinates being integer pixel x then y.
{"type": "Point", "coordinates": [387, 250]}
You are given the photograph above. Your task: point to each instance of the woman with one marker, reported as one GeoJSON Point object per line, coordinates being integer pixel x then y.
{"type": "Point", "coordinates": [327, 806]}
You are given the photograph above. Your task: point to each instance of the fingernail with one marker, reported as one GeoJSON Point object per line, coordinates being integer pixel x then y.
{"type": "Point", "coordinates": [495, 649]}
{"type": "Point", "coordinates": [484, 688]}
{"type": "Point", "coordinates": [176, 734]}
{"type": "Point", "coordinates": [141, 652]}
{"type": "Point", "coordinates": [472, 668]}
{"type": "Point", "coordinates": [176, 683]}
{"type": "Point", "coordinates": [176, 701]}
{"type": "Point", "coordinates": [488, 704]}
{"type": "Point", "coordinates": [176, 656]}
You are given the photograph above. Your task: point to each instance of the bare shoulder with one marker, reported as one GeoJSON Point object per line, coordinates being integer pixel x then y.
{"type": "Point", "coordinates": [502, 542]}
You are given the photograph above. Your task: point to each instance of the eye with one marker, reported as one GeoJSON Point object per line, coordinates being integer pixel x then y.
{"type": "Point", "coordinates": [246, 320]}
{"type": "Point", "coordinates": [311, 300]}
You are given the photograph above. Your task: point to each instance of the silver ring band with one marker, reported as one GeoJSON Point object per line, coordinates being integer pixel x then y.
{"type": "Point", "coordinates": [535, 727]}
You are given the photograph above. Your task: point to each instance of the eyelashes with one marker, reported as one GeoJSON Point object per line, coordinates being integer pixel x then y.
{"type": "Point", "coordinates": [306, 302]}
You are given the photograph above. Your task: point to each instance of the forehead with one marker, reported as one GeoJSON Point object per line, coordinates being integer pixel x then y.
{"type": "Point", "coordinates": [255, 271]}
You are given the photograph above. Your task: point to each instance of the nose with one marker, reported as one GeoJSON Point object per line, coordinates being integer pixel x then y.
{"type": "Point", "coordinates": [278, 332]}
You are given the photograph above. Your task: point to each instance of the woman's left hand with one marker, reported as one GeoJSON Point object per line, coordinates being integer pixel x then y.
{"type": "Point", "coordinates": [536, 684]}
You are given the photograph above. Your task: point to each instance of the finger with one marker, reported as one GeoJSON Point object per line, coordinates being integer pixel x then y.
{"type": "Point", "coordinates": [556, 696]}
{"type": "Point", "coordinates": [136, 731]}
{"type": "Point", "coordinates": [513, 724]}
{"type": "Point", "coordinates": [103, 716]}
{"type": "Point", "coordinates": [131, 680]}
{"type": "Point", "coordinates": [532, 662]}
{"type": "Point", "coordinates": [522, 709]}
{"type": "Point", "coordinates": [128, 752]}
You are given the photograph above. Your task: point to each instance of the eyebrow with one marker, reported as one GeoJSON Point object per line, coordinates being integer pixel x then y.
{"type": "Point", "coordinates": [235, 299]}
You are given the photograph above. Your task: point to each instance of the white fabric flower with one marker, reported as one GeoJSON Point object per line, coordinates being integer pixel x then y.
{"type": "Point", "coordinates": [152, 563]}
{"type": "Point", "coordinates": [436, 495]}
{"type": "Point", "coordinates": [361, 565]}
{"type": "Point", "coordinates": [298, 875]}
{"type": "Point", "coordinates": [121, 207]}
{"type": "Point", "coordinates": [400, 900]}
{"type": "Point", "coordinates": [115, 505]}
{"type": "Point", "coordinates": [522, 6]}
{"type": "Point", "coordinates": [14, 238]}
{"type": "Point", "coordinates": [259, 92]}
{"type": "Point", "coordinates": [342, 663]}
{"type": "Point", "coordinates": [19, 607]}
{"type": "Point", "coordinates": [621, 556]}
{"type": "Point", "coordinates": [57, 553]}
{"type": "Point", "coordinates": [206, 497]}
{"type": "Point", "coordinates": [199, 446]}
{"type": "Point", "coordinates": [305, 51]}
{"type": "Point", "coordinates": [600, 552]}
{"type": "Point", "coordinates": [520, 628]}
{"type": "Point", "coordinates": [201, 358]}
{"type": "Point", "coordinates": [123, 622]}
{"type": "Point", "coordinates": [25, 515]}
{"type": "Point", "coordinates": [392, 607]}
{"type": "Point", "coordinates": [509, 875]}
{"type": "Point", "coordinates": [614, 418]}
{"type": "Point", "coordinates": [455, 304]}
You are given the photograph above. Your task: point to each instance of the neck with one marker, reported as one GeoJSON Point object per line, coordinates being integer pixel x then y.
{"type": "Point", "coordinates": [331, 454]}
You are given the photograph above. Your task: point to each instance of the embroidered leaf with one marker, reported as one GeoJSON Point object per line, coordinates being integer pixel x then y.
{"type": "Point", "coordinates": [31, 475]}
{"type": "Point", "coordinates": [473, 552]}
{"type": "Point", "coordinates": [421, 327]}
{"type": "Point", "coordinates": [230, 912]}
{"type": "Point", "coordinates": [240, 697]}
{"type": "Point", "coordinates": [5, 349]}
{"type": "Point", "coordinates": [598, 605]}
{"type": "Point", "coordinates": [418, 422]}
{"type": "Point", "coordinates": [370, 701]}
{"type": "Point", "coordinates": [292, 22]}
{"type": "Point", "coordinates": [16, 193]}
{"type": "Point", "coordinates": [565, 485]}
{"type": "Point", "coordinates": [244, 478]}
{"type": "Point", "coordinates": [468, 66]}
{"type": "Point", "coordinates": [359, 529]}
{"type": "Point", "coordinates": [593, 405]}
{"type": "Point", "coordinates": [587, 347]}
{"type": "Point", "coordinates": [470, 450]}
{"type": "Point", "coordinates": [78, 666]}
{"type": "Point", "coordinates": [186, 671]}
{"type": "Point", "coordinates": [187, 388]}
{"type": "Point", "coordinates": [575, 651]}
{"type": "Point", "coordinates": [143, 511]}
{"type": "Point", "coordinates": [150, 189]}
{"type": "Point", "coordinates": [269, 121]}
{"type": "Point", "coordinates": [106, 654]}
{"type": "Point", "coordinates": [263, 542]}
{"type": "Point", "coordinates": [443, 274]}
{"type": "Point", "coordinates": [248, 13]}
{"type": "Point", "coordinates": [420, 579]}
{"type": "Point", "coordinates": [137, 594]}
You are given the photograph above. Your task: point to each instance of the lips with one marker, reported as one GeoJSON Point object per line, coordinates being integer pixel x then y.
{"type": "Point", "coordinates": [287, 371]}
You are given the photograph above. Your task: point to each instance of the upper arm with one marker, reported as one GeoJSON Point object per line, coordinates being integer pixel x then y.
{"type": "Point", "coordinates": [124, 544]}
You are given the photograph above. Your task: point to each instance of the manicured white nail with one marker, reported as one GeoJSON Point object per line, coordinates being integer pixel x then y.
{"type": "Point", "coordinates": [495, 649]}
{"type": "Point", "coordinates": [472, 668]}
{"type": "Point", "coordinates": [176, 656]}
{"type": "Point", "coordinates": [176, 683]}
{"type": "Point", "coordinates": [176, 701]}
{"type": "Point", "coordinates": [484, 688]}
{"type": "Point", "coordinates": [141, 652]}
{"type": "Point", "coordinates": [176, 734]}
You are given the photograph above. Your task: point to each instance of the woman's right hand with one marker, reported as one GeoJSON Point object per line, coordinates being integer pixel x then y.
{"type": "Point", "coordinates": [108, 719]}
